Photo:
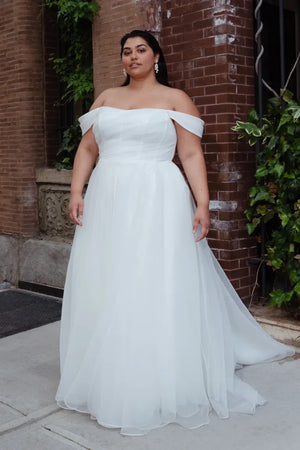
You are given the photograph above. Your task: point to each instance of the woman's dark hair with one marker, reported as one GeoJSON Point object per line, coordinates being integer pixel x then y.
{"type": "Point", "coordinates": [162, 75]}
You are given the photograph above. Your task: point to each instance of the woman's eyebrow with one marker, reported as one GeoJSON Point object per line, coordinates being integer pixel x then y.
{"type": "Point", "coordinates": [139, 45]}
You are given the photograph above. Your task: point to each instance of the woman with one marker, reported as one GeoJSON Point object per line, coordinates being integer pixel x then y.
{"type": "Point", "coordinates": [152, 331]}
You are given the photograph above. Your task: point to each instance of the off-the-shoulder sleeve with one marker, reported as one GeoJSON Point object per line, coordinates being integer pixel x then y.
{"type": "Point", "coordinates": [189, 122]}
{"type": "Point", "coordinates": [87, 120]}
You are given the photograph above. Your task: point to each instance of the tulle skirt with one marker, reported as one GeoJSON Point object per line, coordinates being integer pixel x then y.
{"type": "Point", "coordinates": [152, 331]}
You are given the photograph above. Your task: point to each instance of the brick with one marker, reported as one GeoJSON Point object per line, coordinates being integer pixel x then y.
{"type": "Point", "coordinates": [22, 117]}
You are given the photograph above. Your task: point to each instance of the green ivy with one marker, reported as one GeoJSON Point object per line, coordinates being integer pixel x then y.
{"type": "Point", "coordinates": [275, 197]}
{"type": "Point", "coordinates": [68, 147]}
{"type": "Point", "coordinates": [74, 69]}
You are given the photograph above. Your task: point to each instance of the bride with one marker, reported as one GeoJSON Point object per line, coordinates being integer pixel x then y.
{"type": "Point", "coordinates": [152, 331]}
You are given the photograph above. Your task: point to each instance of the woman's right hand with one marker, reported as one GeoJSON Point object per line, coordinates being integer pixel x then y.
{"type": "Point", "coordinates": [76, 208]}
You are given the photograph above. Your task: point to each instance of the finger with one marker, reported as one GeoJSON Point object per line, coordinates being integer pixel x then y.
{"type": "Point", "coordinates": [203, 234]}
{"type": "Point", "coordinates": [79, 220]}
{"type": "Point", "coordinates": [195, 225]}
{"type": "Point", "coordinates": [73, 216]}
{"type": "Point", "coordinates": [80, 210]}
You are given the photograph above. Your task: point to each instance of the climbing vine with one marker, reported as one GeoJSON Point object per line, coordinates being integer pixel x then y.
{"type": "Point", "coordinates": [275, 197]}
{"type": "Point", "coordinates": [74, 65]}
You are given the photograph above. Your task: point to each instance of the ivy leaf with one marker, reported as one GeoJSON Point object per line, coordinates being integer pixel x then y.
{"type": "Point", "coordinates": [289, 176]}
{"type": "Point", "coordinates": [297, 238]}
{"type": "Point", "coordinates": [278, 169]}
{"type": "Point", "coordinates": [268, 216]}
{"type": "Point", "coordinates": [285, 146]}
{"type": "Point", "coordinates": [248, 213]}
{"type": "Point", "coordinates": [286, 95]}
{"type": "Point", "coordinates": [284, 119]}
{"type": "Point", "coordinates": [248, 127]}
{"type": "Point", "coordinates": [292, 248]}
{"type": "Point", "coordinates": [275, 262]}
{"type": "Point", "coordinates": [251, 227]}
{"type": "Point", "coordinates": [297, 289]}
{"type": "Point", "coordinates": [279, 297]}
{"type": "Point", "coordinates": [261, 209]}
{"type": "Point", "coordinates": [262, 195]}
{"type": "Point", "coordinates": [297, 113]}
{"type": "Point", "coordinates": [284, 219]}
{"type": "Point", "coordinates": [294, 276]}
{"type": "Point", "coordinates": [273, 142]}
{"type": "Point", "coordinates": [261, 171]}
{"type": "Point", "coordinates": [253, 191]}
{"type": "Point", "coordinates": [252, 141]}
{"type": "Point", "coordinates": [253, 116]}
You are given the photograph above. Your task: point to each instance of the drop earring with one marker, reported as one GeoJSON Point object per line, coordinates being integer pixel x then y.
{"type": "Point", "coordinates": [124, 73]}
{"type": "Point", "coordinates": [156, 68]}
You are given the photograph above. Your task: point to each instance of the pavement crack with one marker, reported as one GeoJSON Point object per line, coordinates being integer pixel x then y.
{"type": "Point", "coordinates": [29, 419]}
{"type": "Point", "coordinates": [12, 407]}
{"type": "Point", "coordinates": [68, 435]}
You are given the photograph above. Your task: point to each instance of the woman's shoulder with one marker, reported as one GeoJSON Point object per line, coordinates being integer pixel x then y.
{"type": "Point", "coordinates": [181, 101]}
{"type": "Point", "coordinates": [106, 96]}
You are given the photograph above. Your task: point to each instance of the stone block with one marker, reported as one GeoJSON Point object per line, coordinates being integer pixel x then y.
{"type": "Point", "coordinates": [44, 262]}
{"type": "Point", "coordinates": [9, 259]}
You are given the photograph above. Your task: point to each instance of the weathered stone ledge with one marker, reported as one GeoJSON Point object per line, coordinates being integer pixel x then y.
{"type": "Point", "coordinates": [47, 175]}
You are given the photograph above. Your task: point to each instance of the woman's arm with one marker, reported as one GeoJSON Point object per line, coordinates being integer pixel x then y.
{"type": "Point", "coordinates": [85, 159]}
{"type": "Point", "coordinates": [191, 156]}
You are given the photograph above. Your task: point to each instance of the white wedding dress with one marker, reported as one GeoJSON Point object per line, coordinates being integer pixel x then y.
{"type": "Point", "coordinates": [152, 331]}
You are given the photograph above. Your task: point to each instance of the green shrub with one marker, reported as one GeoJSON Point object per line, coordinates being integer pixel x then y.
{"type": "Point", "coordinates": [275, 196]}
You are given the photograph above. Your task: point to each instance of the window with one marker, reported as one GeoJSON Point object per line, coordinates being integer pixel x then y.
{"type": "Point", "coordinates": [271, 40]}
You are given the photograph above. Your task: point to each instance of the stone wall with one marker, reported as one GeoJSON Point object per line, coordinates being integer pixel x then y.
{"type": "Point", "coordinates": [42, 260]}
{"type": "Point", "coordinates": [53, 203]}
{"type": "Point", "coordinates": [34, 261]}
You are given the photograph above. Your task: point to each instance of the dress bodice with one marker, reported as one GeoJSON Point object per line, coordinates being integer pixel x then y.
{"type": "Point", "coordinates": [139, 134]}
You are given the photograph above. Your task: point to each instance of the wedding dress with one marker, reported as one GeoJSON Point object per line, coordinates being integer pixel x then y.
{"type": "Point", "coordinates": [152, 331]}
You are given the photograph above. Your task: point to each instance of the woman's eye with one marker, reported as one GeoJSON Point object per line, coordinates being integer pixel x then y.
{"type": "Point", "coordinates": [126, 53]}
{"type": "Point", "coordinates": [141, 50]}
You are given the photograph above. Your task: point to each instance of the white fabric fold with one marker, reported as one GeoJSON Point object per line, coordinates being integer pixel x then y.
{"type": "Point", "coordinates": [87, 120]}
{"type": "Point", "coordinates": [187, 121]}
{"type": "Point", "coordinates": [190, 123]}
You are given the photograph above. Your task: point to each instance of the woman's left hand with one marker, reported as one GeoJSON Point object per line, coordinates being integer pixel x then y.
{"type": "Point", "coordinates": [201, 217]}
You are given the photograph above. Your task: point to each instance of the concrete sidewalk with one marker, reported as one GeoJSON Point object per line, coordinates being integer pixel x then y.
{"type": "Point", "coordinates": [30, 419]}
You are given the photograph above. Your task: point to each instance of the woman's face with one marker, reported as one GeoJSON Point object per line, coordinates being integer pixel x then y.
{"type": "Point", "coordinates": [138, 58]}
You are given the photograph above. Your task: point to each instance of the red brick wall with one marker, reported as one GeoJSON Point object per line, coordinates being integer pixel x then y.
{"type": "Point", "coordinates": [209, 50]}
{"type": "Point", "coordinates": [116, 18]}
{"type": "Point", "coordinates": [21, 116]}
{"type": "Point", "coordinates": [51, 87]}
